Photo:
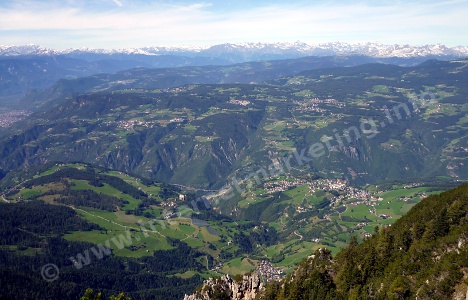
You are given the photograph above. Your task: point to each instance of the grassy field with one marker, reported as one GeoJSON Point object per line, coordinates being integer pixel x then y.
{"type": "Point", "coordinates": [297, 194]}
{"type": "Point", "coordinates": [115, 228]}
{"type": "Point", "coordinates": [294, 252]}
{"type": "Point", "coordinates": [151, 190]}
{"type": "Point", "coordinates": [108, 190]}
{"type": "Point", "coordinates": [360, 212]}
{"type": "Point", "coordinates": [307, 229]}
{"type": "Point", "coordinates": [398, 193]}
{"type": "Point", "coordinates": [28, 193]}
{"type": "Point", "coordinates": [239, 265]}
{"type": "Point", "coordinates": [141, 244]}
{"type": "Point", "coordinates": [250, 198]}
{"type": "Point", "coordinates": [207, 236]}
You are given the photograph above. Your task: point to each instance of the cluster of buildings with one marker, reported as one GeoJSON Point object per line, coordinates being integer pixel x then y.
{"type": "Point", "coordinates": [169, 204]}
{"type": "Point", "coordinates": [385, 216]}
{"type": "Point", "coordinates": [268, 272]}
{"type": "Point", "coordinates": [412, 185]}
{"type": "Point", "coordinates": [346, 191]}
{"type": "Point", "coordinates": [353, 193]}
{"type": "Point", "coordinates": [177, 120]}
{"type": "Point", "coordinates": [361, 225]}
{"type": "Point", "coordinates": [8, 117]}
{"type": "Point", "coordinates": [328, 185]}
{"type": "Point", "coordinates": [334, 102]}
{"type": "Point", "coordinates": [301, 209]}
{"type": "Point", "coordinates": [282, 185]}
{"type": "Point", "coordinates": [130, 124]}
{"type": "Point", "coordinates": [313, 107]}
{"type": "Point", "coordinates": [421, 195]}
{"type": "Point", "coordinates": [313, 104]}
{"type": "Point", "coordinates": [148, 123]}
{"type": "Point", "coordinates": [240, 102]}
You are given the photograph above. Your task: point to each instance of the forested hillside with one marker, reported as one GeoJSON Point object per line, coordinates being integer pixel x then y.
{"type": "Point", "coordinates": [37, 243]}
{"type": "Point", "coordinates": [347, 122]}
{"type": "Point", "coordinates": [424, 255]}
{"type": "Point", "coordinates": [69, 227]}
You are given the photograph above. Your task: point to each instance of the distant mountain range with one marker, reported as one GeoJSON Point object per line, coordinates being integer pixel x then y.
{"type": "Point", "coordinates": [240, 52]}
{"type": "Point", "coordinates": [31, 67]}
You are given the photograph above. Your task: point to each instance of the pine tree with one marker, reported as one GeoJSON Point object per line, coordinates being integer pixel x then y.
{"type": "Point", "coordinates": [441, 225]}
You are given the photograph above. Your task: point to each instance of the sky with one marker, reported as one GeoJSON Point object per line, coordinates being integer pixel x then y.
{"type": "Point", "coordinates": [116, 24]}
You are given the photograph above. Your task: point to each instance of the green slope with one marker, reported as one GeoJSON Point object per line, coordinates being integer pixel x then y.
{"type": "Point", "coordinates": [204, 135]}
{"type": "Point", "coordinates": [422, 256]}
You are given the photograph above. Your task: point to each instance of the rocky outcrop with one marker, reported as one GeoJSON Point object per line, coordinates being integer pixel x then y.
{"type": "Point", "coordinates": [226, 287]}
{"type": "Point", "coordinates": [461, 289]}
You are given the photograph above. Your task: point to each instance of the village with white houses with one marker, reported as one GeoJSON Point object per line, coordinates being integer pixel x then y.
{"type": "Point", "coordinates": [268, 272]}
{"type": "Point", "coordinates": [345, 190]}
{"type": "Point", "coordinates": [8, 117]}
{"type": "Point", "coordinates": [341, 196]}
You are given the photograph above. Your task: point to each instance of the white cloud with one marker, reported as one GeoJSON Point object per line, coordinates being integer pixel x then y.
{"type": "Point", "coordinates": [118, 3]}
{"type": "Point", "coordinates": [203, 23]}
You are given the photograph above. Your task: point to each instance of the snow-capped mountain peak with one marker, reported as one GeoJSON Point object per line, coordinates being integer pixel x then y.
{"type": "Point", "coordinates": [25, 50]}
{"type": "Point", "coordinates": [252, 51]}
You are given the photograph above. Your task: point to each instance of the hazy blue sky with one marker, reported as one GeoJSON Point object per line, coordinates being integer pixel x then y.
{"type": "Point", "coordinates": [136, 23]}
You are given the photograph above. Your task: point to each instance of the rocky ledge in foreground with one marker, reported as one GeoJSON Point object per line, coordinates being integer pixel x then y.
{"type": "Point", "coordinates": [226, 287]}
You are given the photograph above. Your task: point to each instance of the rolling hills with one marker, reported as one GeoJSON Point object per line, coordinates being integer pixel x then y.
{"type": "Point", "coordinates": [206, 135]}
{"type": "Point", "coordinates": [141, 76]}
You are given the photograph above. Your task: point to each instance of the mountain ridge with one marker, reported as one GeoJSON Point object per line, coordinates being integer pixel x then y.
{"type": "Point", "coordinates": [26, 68]}
{"type": "Point", "coordinates": [255, 51]}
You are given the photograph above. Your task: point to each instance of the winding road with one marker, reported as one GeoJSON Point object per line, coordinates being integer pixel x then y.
{"type": "Point", "coordinates": [3, 198]}
{"type": "Point", "coordinates": [193, 189]}
{"type": "Point", "coordinates": [300, 236]}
